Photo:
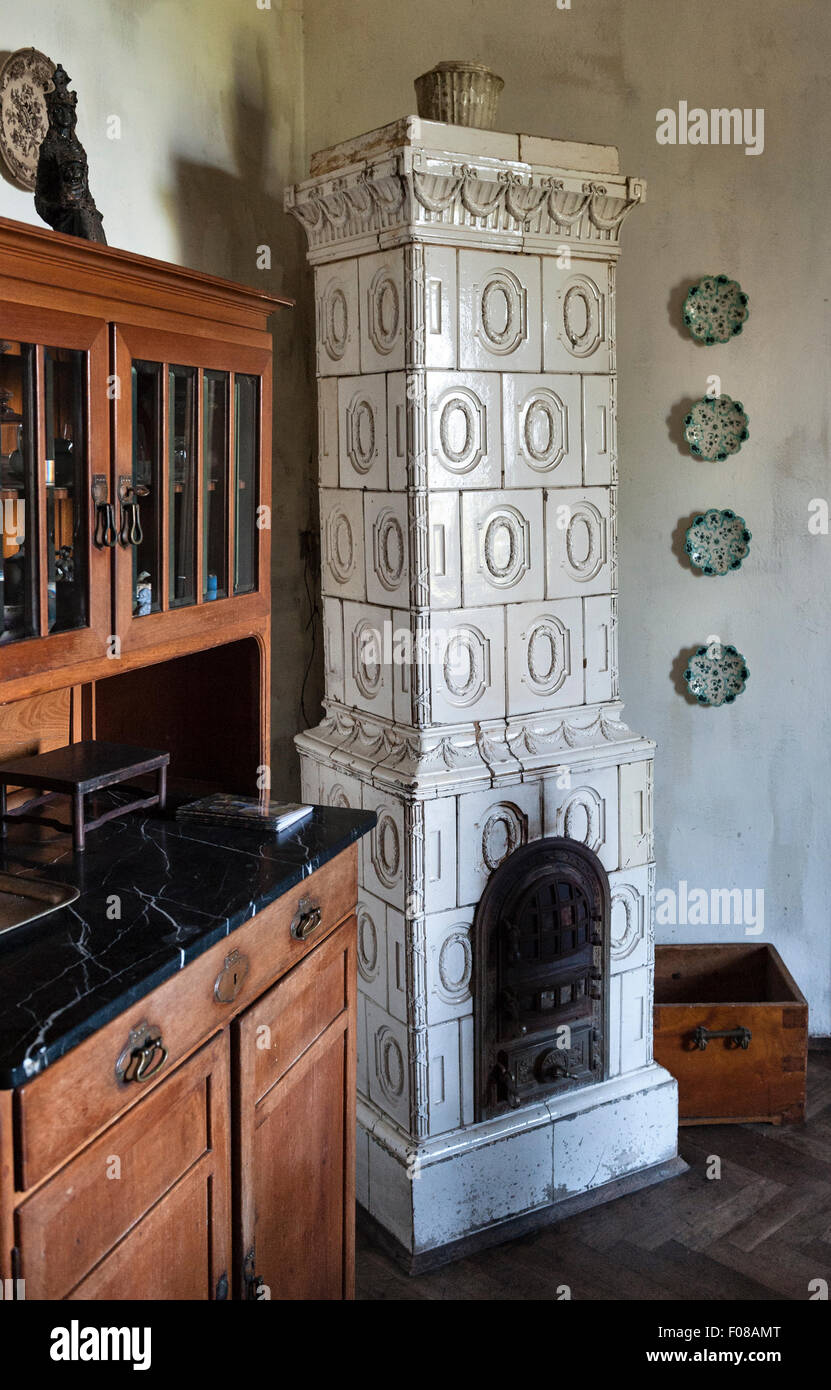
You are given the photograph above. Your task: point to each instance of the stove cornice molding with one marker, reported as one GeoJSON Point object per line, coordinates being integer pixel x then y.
{"type": "Point", "coordinates": [437, 195]}
{"type": "Point", "coordinates": [424, 763]}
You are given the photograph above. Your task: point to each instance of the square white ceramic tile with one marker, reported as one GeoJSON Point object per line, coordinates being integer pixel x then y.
{"type": "Point", "coordinates": [333, 664]}
{"type": "Point", "coordinates": [342, 543]}
{"type": "Point", "coordinates": [492, 824]}
{"type": "Point", "coordinates": [599, 431]}
{"type": "Point", "coordinates": [464, 435]}
{"type": "Point", "coordinates": [327, 432]}
{"type": "Point", "coordinates": [389, 1079]}
{"type": "Point", "coordinates": [586, 811]}
{"type": "Point", "coordinates": [502, 547]}
{"type": "Point", "coordinates": [444, 1077]}
{"type": "Point", "coordinates": [384, 848]}
{"type": "Point", "coordinates": [467, 664]}
{"type": "Point", "coordinates": [635, 813]}
{"type": "Point", "coordinates": [336, 301]}
{"type": "Point", "coordinates": [367, 644]}
{"type": "Point", "coordinates": [440, 306]}
{"type": "Point", "coordinates": [362, 431]}
{"type": "Point", "coordinates": [439, 853]}
{"type": "Point", "coordinates": [397, 964]}
{"type": "Point", "coordinates": [372, 947]}
{"type": "Point", "coordinates": [397, 431]}
{"type": "Point", "coordinates": [577, 331]}
{"type": "Point", "coordinates": [600, 628]}
{"type": "Point", "coordinates": [381, 287]}
{"type": "Point", "coordinates": [449, 964]}
{"type": "Point", "coordinates": [578, 542]}
{"type": "Point", "coordinates": [545, 655]}
{"type": "Point", "coordinates": [444, 543]}
{"type": "Point", "coordinates": [339, 788]}
{"type": "Point", "coordinates": [541, 430]}
{"type": "Point", "coordinates": [631, 918]}
{"type": "Point", "coordinates": [499, 311]}
{"type": "Point", "coordinates": [387, 569]}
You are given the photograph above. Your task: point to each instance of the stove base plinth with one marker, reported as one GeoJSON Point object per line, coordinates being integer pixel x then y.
{"type": "Point", "coordinates": [439, 1200]}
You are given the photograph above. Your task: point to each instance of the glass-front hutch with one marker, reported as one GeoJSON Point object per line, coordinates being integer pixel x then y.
{"type": "Point", "coordinates": [135, 462]}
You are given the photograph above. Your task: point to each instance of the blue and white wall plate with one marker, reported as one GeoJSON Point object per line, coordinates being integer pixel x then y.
{"type": "Point", "coordinates": [716, 674]}
{"type": "Point", "coordinates": [716, 427]}
{"type": "Point", "coordinates": [715, 309]}
{"type": "Point", "coordinates": [717, 541]}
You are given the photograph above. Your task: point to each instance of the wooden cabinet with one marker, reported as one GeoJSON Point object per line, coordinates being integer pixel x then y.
{"type": "Point", "coordinates": [156, 1182]}
{"type": "Point", "coordinates": [230, 1170]}
{"type": "Point", "coordinates": [295, 1123]}
{"type": "Point", "coordinates": [149, 386]}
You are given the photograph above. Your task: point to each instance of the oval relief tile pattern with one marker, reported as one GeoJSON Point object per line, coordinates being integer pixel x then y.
{"type": "Point", "coordinates": [504, 546]}
{"type": "Point", "coordinates": [503, 313]}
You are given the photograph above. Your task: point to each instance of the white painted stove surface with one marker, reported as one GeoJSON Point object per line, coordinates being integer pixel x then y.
{"type": "Point", "coordinates": [468, 469]}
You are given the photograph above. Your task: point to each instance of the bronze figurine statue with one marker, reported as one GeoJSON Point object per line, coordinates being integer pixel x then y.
{"type": "Point", "coordinates": [62, 196]}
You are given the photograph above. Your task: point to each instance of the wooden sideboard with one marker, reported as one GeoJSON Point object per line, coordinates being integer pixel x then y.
{"type": "Point", "coordinates": [202, 1144]}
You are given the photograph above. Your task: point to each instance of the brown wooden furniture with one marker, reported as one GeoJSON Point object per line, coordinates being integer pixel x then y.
{"type": "Point", "coordinates": [77, 770]}
{"type": "Point", "coordinates": [732, 1026]}
{"type": "Point", "coordinates": [229, 1170]}
{"type": "Point", "coordinates": [148, 385]}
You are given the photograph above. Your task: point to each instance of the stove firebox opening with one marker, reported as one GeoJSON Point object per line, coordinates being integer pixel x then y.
{"type": "Point", "coordinates": [541, 971]}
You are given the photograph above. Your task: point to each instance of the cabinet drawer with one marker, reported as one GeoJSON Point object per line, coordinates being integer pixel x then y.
{"type": "Point", "coordinates": [175, 1142]}
{"type": "Point", "coordinates": [290, 1017]}
{"type": "Point", "coordinates": [61, 1110]}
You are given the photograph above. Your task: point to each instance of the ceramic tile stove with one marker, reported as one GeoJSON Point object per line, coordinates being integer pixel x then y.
{"type": "Point", "coordinates": [466, 359]}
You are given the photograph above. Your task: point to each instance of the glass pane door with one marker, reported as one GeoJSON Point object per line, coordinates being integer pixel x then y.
{"type": "Point", "coordinates": [146, 536]}
{"type": "Point", "coordinates": [182, 395]}
{"type": "Point", "coordinates": [65, 477]}
{"type": "Point", "coordinates": [215, 485]}
{"type": "Point", "coordinates": [19, 587]}
{"type": "Point", "coordinates": [246, 461]}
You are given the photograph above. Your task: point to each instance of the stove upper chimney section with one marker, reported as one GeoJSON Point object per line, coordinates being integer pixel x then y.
{"type": "Point", "coordinates": [466, 359]}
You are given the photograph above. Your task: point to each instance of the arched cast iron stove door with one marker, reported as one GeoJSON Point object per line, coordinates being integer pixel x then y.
{"type": "Point", "coordinates": [541, 975]}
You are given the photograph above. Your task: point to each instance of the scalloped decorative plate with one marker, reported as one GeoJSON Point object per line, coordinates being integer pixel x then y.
{"type": "Point", "coordinates": [716, 427]}
{"type": "Point", "coordinates": [23, 121]}
{"type": "Point", "coordinates": [717, 541]}
{"type": "Point", "coordinates": [715, 309]}
{"type": "Point", "coordinates": [714, 679]}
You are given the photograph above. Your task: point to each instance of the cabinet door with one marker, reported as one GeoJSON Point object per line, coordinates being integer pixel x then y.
{"type": "Point", "coordinates": [296, 1118]}
{"type": "Point", "coordinates": [143, 1211]}
{"type": "Point", "coordinates": [192, 429]}
{"type": "Point", "coordinates": [54, 582]}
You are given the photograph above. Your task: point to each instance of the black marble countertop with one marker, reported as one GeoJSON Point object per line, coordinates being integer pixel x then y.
{"type": "Point", "coordinates": [178, 889]}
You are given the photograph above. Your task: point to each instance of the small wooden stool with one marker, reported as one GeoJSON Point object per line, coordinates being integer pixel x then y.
{"type": "Point", "coordinates": [76, 770]}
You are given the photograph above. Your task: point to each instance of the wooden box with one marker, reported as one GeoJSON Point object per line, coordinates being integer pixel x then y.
{"type": "Point", "coordinates": [757, 1072]}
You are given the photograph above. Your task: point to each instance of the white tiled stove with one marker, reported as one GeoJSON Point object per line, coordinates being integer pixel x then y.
{"type": "Point", "coordinates": [468, 469]}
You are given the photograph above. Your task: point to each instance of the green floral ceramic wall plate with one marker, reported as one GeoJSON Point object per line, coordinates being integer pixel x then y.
{"type": "Point", "coordinates": [716, 674]}
{"type": "Point", "coordinates": [716, 427]}
{"type": "Point", "coordinates": [717, 541]}
{"type": "Point", "coordinates": [715, 309]}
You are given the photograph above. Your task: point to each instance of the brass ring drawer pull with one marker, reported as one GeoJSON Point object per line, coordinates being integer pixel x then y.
{"type": "Point", "coordinates": [306, 919]}
{"type": "Point", "coordinates": [144, 1055]}
{"type": "Point", "coordinates": [736, 1037]}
